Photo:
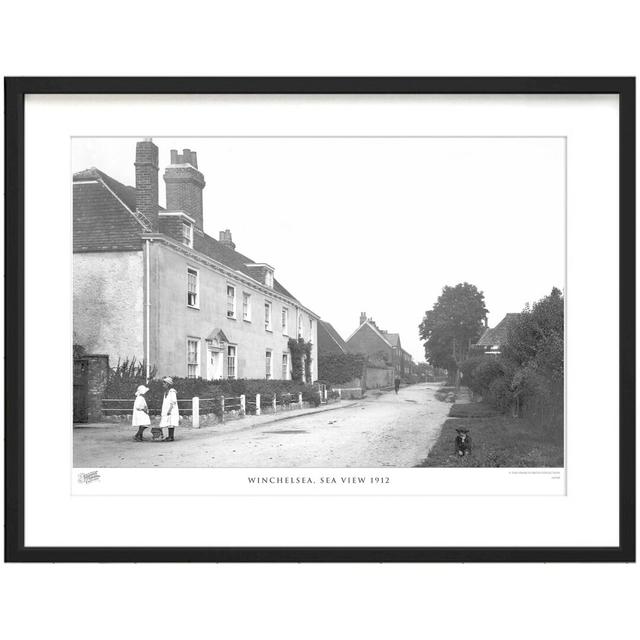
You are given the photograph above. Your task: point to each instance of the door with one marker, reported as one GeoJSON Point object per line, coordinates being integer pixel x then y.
{"type": "Point", "coordinates": [214, 364]}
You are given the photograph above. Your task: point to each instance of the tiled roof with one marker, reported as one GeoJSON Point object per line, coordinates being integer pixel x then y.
{"type": "Point", "coordinates": [329, 339]}
{"type": "Point", "coordinates": [102, 222]}
{"type": "Point", "coordinates": [392, 338]}
{"type": "Point", "coordinates": [499, 333]}
{"type": "Point", "coordinates": [231, 258]}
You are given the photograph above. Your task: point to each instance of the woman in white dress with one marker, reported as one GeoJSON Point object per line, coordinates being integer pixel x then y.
{"type": "Point", "coordinates": [140, 416]}
{"type": "Point", "coordinates": [169, 416]}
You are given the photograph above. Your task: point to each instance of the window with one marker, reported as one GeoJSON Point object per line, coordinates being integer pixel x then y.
{"type": "Point", "coordinates": [310, 327]}
{"type": "Point", "coordinates": [285, 321]}
{"type": "Point", "coordinates": [187, 234]}
{"type": "Point", "coordinates": [193, 358]}
{"type": "Point", "coordinates": [246, 307]}
{"type": "Point", "coordinates": [231, 301]}
{"type": "Point", "coordinates": [267, 316]}
{"type": "Point", "coordinates": [285, 366]}
{"type": "Point", "coordinates": [268, 278]}
{"type": "Point", "coordinates": [231, 362]}
{"type": "Point", "coordinates": [268, 370]}
{"type": "Point", "coordinates": [299, 325]}
{"type": "Point", "coordinates": [192, 288]}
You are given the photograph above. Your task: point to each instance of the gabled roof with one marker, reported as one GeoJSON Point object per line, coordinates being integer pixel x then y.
{"type": "Point", "coordinates": [373, 328]}
{"type": "Point", "coordinates": [497, 335]}
{"type": "Point", "coordinates": [104, 219]}
{"type": "Point", "coordinates": [329, 339]}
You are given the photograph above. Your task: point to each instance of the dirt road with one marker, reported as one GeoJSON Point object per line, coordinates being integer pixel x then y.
{"type": "Point", "coordinates": [379, 431]}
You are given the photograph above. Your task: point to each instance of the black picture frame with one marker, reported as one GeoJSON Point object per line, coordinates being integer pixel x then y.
{"type": "Point", "coordinates": [15, 91]}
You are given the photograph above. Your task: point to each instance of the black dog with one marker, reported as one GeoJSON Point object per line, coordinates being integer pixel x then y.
{"type": "Point", "coordinates": [463, 442]}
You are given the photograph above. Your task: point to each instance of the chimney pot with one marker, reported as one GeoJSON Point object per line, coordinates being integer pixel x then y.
{"type": "Point", "coordinates": [146, 165]}
{"type": "Point", "coordinates": [185, 185]}
{"type": "Point", "coordinates": [226, 239]}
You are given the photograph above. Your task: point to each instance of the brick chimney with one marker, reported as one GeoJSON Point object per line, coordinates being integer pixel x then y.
{"type": "Point", "coordinates": [147, 180]}
{"type": "Point", "coordinates": [185, 184]}
{"type": "Point", "coordinates": [363, 317]}
{"type": "Point", "coordinates": [225, 239]}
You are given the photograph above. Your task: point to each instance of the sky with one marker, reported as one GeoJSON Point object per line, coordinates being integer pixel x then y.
{"type": "Point", "coordinates": [379, 225]}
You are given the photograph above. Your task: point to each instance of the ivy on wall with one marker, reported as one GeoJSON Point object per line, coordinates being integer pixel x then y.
{"type": "Point", "coordinates": [300, 359]}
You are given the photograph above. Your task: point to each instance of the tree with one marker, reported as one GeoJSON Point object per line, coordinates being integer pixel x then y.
{"type": "Point", "coordinates": [454, 323]}
{"type": "Point", "coordinates": [534, 351]}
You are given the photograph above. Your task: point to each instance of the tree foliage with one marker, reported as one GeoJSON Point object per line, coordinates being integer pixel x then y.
{"type": "Point", "coordinates": [455, 321]}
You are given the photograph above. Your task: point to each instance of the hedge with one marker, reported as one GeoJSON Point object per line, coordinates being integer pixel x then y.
{"type": "Point", "coordinates": [339, 368]}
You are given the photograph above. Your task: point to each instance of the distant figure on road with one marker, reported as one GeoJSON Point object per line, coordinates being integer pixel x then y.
{"type": "Point", "coordinates": [140, 417]}
{"type": "Point", "coordinates": [396, 384]}
{"type": "Point", "coordinates": [169, 415]}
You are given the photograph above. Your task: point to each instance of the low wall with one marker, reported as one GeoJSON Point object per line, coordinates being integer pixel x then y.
{"type": "Point", "coordinates": [379, 378]}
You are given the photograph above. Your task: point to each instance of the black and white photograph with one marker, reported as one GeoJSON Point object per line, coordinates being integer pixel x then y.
{"type": "Point", "coordinates": [319, 302]}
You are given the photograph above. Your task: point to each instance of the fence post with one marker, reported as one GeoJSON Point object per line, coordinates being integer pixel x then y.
{"type": "Point", "coordinates": [195, 412]}
{"type": "Point", "coordinates": [258, 411]}
{"type": "Point", "coordinates": [339, 394]}
{"type": "Point", "coordinates": [325, 392]}
{"type": "Point", "coordinates": [275, 404]}
{"type": "Point", "coordinates": [222, 407]}
{"type": "Point", "coordinates": [300, 399]}
{"type": "Point", "coordinates": [243, 404]}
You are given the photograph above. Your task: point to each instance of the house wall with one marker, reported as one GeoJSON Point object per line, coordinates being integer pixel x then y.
{"type": "Point", "coordinates": [368, 342]}
{"type": "Point", "coordinates": [173, 321]}
{"type": "Point", "coordinates": [108, 303]}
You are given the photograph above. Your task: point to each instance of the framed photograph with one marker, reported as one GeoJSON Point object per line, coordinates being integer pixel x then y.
{"type": "Point", "coordinates": [320, 319]}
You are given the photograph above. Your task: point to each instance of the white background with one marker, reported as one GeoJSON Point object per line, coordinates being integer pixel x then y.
{"type": "Point", "coordinates": [372, 38]}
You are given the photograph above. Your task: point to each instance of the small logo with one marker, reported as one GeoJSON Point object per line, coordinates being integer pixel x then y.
{"type": "Point", "coordinates": [86, 478]}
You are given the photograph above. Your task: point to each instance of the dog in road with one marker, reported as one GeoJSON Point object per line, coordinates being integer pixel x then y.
{"type": "Point", "coordinates": [463, 442]}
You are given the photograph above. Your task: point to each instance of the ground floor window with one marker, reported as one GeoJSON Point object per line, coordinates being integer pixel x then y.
{"type": "Point", "coordinates": [231, 362]}
{"type": "Point", "coordinates": [232, 368]}
{"type": "Point", "coordinates": [193, 358]}
{"type": "Point", "coordinates": [268, 366]}
{"type": "Point", "coordinates": [285, 366]}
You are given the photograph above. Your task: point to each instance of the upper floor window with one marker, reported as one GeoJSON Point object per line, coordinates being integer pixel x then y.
{"type": "Point", "coordinates": [193, 286]}
{"type": "Point", "coordinates": [246, 306]}
{"type": "Point", "coordinates": [187, 234]}
{"type": "Point", "coordinates": [299, 324]}
{"type": "Point", "coordinates": [231, 301]}
{"type": "Point", "coordinates": [310, 327]}
{"type": "Point", "coordinates": [285, 321]}
{"type": "Point", "coordinates": [267, 316]}
{"type": "Point", "coordinates": [268, 278]}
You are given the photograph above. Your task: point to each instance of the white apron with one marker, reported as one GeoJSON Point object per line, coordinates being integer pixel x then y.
{"type": "Point", "coordinates": [140, 417]}
{"type": "Point", "coordinates": [170, 416]}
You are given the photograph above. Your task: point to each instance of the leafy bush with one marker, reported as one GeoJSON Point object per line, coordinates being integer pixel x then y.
{"type": "Point", "coordinates": [500, 393]}
{"type": "Point", "coordinates": [485, 374]}
{"type": "Point", "coordinates": [341, 368]}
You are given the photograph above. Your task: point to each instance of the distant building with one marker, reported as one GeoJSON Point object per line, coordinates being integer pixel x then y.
{"type": "Point", "coordinates": [492, 339]}
{"type": "Point", "coordinates": [379, 344]}
{"type": "Point", "coordinates": [329, 340]}
{"type": "Point", "coordinates": [149, 283]}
